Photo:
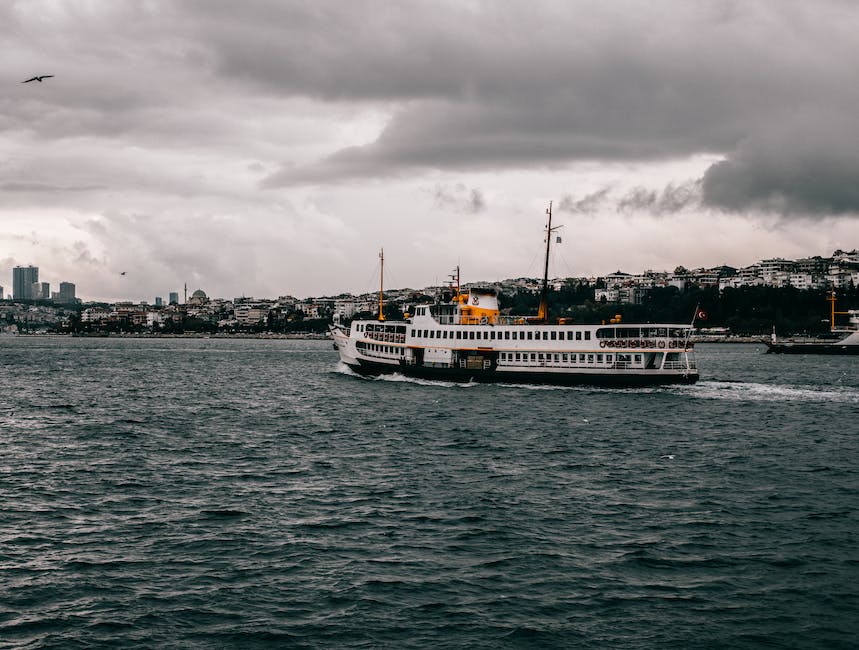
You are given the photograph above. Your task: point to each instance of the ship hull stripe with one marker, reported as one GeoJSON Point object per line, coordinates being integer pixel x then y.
{"type": "Point", "coordinates": [629, 378]}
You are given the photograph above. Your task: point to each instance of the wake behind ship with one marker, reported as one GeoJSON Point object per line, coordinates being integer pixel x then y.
{"type": "Point", "coordinates": [463, 337]}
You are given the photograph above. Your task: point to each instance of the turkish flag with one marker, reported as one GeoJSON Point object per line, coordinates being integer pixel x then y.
{"type": "Point", "coordinates": [701, 315]}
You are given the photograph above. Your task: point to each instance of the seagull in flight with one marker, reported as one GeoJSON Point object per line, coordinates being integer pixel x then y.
{"type": "Point", "coordinates": [38, 78]}
{"type": "Point", "coordinates": [123, 273]}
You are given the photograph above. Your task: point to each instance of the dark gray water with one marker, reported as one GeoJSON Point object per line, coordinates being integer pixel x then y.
{"type": "Point", "coordinates": [243, 493]}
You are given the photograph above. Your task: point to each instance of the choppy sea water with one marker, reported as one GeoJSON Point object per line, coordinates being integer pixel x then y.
{"type": "Point", "coordinates": [253, 493]}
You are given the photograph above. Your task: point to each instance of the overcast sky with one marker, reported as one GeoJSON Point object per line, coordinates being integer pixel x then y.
{"type": "Point", "coordinates": [264, 148]}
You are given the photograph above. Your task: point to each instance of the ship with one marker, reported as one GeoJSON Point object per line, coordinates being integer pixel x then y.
{"type": "Point", "coordinates": [463, 337]}
{"type": "Point", "coordinates": [846, 341]}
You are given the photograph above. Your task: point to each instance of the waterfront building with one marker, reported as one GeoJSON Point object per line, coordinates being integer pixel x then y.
{"type": "Point", "coordinates": [23, 279]}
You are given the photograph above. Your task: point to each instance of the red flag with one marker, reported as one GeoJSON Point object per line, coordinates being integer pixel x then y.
{"type": "Point", "coordinates": [701, 315]}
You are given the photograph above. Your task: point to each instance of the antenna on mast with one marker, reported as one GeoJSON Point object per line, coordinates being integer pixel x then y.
{"type": "Point", "coordinates": [381, 283]}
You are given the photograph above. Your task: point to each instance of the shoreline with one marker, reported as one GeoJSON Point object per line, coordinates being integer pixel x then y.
{"type": "Point", "coordinates": [315, 336]}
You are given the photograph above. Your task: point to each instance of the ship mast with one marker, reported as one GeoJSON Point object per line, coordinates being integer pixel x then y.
{"type": "Point", "coordinates": [381, 283]}
{"type": "Point", "coordinates": [543, 311]}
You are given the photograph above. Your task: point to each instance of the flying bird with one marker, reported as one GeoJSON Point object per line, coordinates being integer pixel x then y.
{"type": "Point", "coordinates": [123, 273]}
{"type": "Point", "coordinates": [38, 78]}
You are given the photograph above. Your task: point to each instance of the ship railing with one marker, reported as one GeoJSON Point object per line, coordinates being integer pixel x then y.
{"type": "Point", "coordinates": [679, 365]}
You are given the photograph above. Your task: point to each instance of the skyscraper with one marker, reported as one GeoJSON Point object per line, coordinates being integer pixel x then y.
{"type": "Point", "coordinates": [23, 279]}
{"type": "Point", "coordinates": [174, 298]}
{"type": "Point", "coordinates": [159, 301]}
{"type": "Point", "coordinates": [67, 293]}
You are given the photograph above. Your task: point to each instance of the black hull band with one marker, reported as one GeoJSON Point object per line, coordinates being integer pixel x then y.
{"type": "Point", "coordinates": [462, 375]}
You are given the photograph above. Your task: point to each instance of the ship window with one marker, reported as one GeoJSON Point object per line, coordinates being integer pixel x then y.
{"type": "Point", "coordinates": [432, 334]}
{"type": "Point", "coordinates": [637, 358]}
{"type": "Point", "coordinates": [471, 334]}
{"type": "Point", "coordinates": [608, 358]}
{"type": "Point", "coordinates": [581, 358]}
{"type": "Point", "coordinates": [459, 335]}
{"type": "Point", "coordinates": [587, 335]}
{"type": "Point", "coordinates": [578, 336]}
{"type": "Point", "coordinates": [590, 358]}
{"type": "Point", "coordinates": [507, 335]}
{"type": "Point", "coordinates": [554, 336]}
{"type": "Point", "coordinates": [540, 356]}
{"type": "Point", "coordinates": [518, 357]}
{"type": "Point", "coordinates": [492, 335]}
{"type": "Point", "coordinates": [530, 335]}
{"type": "Point", "coordinates": [545, 336]}
{"type": "Point", "coordinates": [599, 358]}
{"type": "Point", "coordinates": [605, 333]}
{"type": "Point", "coordinates": [557, 358]}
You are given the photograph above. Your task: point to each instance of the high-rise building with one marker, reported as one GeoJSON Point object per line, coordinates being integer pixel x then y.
{"type": "Point", "coordinates": [23, 279]}
{"type": "Point", "coordinates": [42, 290]}
{"type": "Point", "coordinates": [67, 293]}
{"type": "Point", "coordinates": [159, 302]}
{"type": "Point", "coordinates": [2, 295]}
{"type": "Point", "coordinates": [174, 297]}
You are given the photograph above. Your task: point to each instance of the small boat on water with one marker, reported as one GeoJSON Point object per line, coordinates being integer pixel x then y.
{"type": "Point", "coordinates": [462, 336]}
{"type": "Point", "coordinates": [847, 344]}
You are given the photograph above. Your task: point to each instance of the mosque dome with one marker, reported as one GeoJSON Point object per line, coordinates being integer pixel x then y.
{"type": "Point", "coordinates": [199, 293]}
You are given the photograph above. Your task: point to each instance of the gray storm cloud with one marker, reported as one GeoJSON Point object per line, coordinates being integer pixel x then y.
{"type": "Point", "coordinates": [804, 167]}
{"type": "Point", "coordinates": [494, 87]}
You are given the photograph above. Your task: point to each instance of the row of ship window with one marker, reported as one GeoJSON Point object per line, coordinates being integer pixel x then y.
{"type": "Point", "coordinates": [506, 335]}
{"type": "Point", "coordinates": [546, 357]}
{"type": "Point", "coordinates": [370, 348]}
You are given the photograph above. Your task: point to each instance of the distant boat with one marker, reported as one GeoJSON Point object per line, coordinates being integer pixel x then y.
{"type": "Point", "coordinates": [849, 344]}
{"type": "Point", "coordinates": [462, 337]}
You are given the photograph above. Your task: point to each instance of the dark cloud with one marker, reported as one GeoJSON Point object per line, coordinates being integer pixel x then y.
{"type": "Point", "coordinates": [806, 167]}
{"type": "Point", "coordinates": [486, 86]}
{"type": "Point", "coordinates": [672, 198]}
{"type": "Point", "coordinates": [588, 204]}
{"type": "Point", "coordinates": [458, 197]}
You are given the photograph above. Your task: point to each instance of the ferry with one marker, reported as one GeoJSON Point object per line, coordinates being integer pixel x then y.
{"type": "Point", "coordinates": [463, 337]}
{"type": "Point", "coordinates": [848, 343]}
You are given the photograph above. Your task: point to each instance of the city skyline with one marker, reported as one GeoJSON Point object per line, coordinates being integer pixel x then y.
{"type": "Point", "coordinates": [815, 271]}
{"type": "Point", "coordinates": [265, 147]}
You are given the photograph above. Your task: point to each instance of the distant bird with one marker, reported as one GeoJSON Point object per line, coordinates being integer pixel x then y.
{"type": "Point", "coordinates": [123, 273]}
{"type": "Point", "coordinates": [39, 78]}
{"type": "Point", "coordinates": [668, 456]}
